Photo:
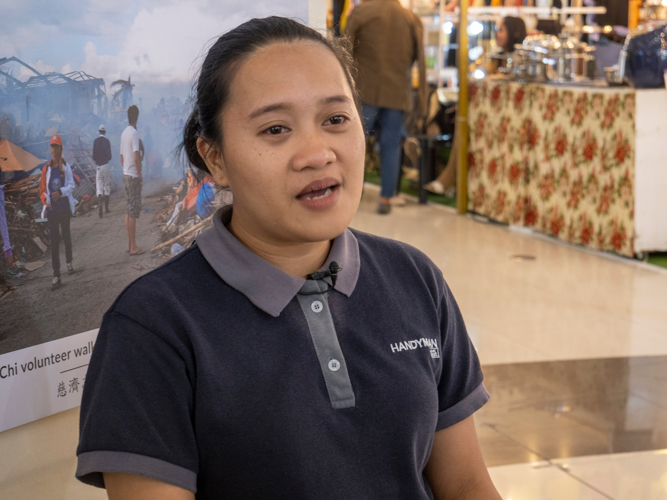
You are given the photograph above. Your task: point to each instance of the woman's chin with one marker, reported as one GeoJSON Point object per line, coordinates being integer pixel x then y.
{"type": "Point", "coordinates": [322, 226]}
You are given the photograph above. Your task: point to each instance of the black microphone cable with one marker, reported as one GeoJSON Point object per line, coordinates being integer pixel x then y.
{"type": "Point", "coordinates": [332, 273]}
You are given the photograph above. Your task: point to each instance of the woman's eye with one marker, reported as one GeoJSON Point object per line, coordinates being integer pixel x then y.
{"type": "Point", "coordinates": [275, 130]}
{"type": "Point", "coordinates": [336, 120]}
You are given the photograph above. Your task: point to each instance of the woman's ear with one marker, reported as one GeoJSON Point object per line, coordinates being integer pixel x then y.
{"type": "Point", "coordinates": [212, 156]}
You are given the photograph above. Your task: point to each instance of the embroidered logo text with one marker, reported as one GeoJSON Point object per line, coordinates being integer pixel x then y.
{"type": "Point", "coordinates": [410, 345]}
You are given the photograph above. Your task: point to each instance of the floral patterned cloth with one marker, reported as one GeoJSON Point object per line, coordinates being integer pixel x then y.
{"type": "Point", "coordinates": [558, 160]}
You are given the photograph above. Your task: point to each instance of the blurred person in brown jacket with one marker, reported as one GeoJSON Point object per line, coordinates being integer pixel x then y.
{"type": "Point", "coordinates": [387, 40]}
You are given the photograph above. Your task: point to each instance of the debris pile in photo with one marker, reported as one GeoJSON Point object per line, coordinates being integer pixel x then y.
{"type": "Point", "coordinates": [188, 210]}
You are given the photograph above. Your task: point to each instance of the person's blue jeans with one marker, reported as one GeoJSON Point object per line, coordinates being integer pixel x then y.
{"type": "Point", "coordinates": [390, 123]}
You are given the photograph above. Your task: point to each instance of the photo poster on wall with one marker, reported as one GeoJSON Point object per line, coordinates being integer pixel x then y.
{"type": "Point", "coordinates": [67, 68]}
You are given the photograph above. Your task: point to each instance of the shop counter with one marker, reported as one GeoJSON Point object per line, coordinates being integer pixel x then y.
{"type": "Point", "coordinates": [586, 165]}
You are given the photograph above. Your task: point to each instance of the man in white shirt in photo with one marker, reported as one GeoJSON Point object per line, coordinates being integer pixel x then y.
{"type": "Point", "coordinates": [131, 160]}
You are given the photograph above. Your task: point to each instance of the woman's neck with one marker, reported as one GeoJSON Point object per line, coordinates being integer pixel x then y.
{"type": "Point", "coordinates": [297, 259]}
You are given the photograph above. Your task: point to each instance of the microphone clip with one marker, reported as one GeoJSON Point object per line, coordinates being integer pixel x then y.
{"type": "Point", "coordinates": [332, 273]}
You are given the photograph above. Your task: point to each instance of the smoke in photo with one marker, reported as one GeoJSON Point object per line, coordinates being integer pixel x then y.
{"type": "Point", "coordinates": [67, 68]}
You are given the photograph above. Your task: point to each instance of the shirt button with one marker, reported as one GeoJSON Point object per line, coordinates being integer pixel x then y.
{"type": "Point", "coordinates": [317, 306]}
{"type": "Point", "coordinates": [334, 365]}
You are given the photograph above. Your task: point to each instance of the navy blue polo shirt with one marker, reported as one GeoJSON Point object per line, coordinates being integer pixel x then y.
{"type": "Point", "coordinates": [219, 373]}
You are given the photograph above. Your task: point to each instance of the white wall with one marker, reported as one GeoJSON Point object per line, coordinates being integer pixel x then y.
{"type": "Point", "coordinates": [650, 170]}
{"type": "Point", "coordinates": [317, 15]}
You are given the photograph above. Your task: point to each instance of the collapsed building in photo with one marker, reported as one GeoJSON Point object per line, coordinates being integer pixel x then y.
{"type": "Point", "coordinates": [70, 96]}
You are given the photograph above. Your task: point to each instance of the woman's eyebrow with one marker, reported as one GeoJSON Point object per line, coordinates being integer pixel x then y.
{"type": "Point", "coordinates": [268, 109]}
{"type": "Point", "coordinates": [283, 106]}
{"type": "Point", "coordinates": [336, 99]}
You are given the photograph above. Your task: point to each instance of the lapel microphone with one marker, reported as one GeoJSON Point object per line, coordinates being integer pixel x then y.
{"type": "Point", "coordinates": [332, 273]}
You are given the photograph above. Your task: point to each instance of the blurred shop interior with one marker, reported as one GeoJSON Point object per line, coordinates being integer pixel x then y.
{"type": "Point", "coordinates": [610, 55]}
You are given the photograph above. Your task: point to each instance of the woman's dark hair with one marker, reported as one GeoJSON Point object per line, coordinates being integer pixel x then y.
{"type": "Point", "coordinates": [212, 89]}
{"type": "Point", "coordinates": [516, 32]}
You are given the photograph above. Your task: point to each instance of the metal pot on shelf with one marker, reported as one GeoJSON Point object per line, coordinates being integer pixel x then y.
{"type": "Point", "coordinates": [613, 77]}
{"type": "Point", "coordinates": [555, 59]}
{"type": "Point", "coordinates": [575, 60]}
{"type": "Point", "coordinates": [547, 58]}
{"type": "Point", "coordinates": [538, 50]}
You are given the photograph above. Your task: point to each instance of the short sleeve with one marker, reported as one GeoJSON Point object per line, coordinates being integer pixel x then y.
{"type": "Point", "coordinates": [137, 407]}
{"type": "Point", "coordinates": [461, 390]}
{"type": "Point", "coordinates": [135, 142]}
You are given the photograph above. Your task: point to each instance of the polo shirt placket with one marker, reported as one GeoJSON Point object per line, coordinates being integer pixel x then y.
{"type": "Point", "coordinates": [315, 307]}
{"type": "Point", "coordinates": [277, 289]}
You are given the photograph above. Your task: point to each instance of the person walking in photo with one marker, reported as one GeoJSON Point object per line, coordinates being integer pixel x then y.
{"type": "Point", "coordinates": [102, 157]}
{"type": "Point", "coordinates": [386, 40]}
{"type": "Point", "coordinates": [55, 190]}
{"type": "Point", "coordinates": [130, 158]}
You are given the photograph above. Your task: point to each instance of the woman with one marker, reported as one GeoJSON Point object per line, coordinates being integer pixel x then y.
{"type": "Point", "coordinates": [226, 373]}
{"type": "Point", "coordinates": [509, 32]}
{"type": "Point", "coordinates": [56, 185]}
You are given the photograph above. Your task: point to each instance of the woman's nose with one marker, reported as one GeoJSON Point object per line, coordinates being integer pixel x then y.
{"type": "Point", "coordinates": [313, 152]}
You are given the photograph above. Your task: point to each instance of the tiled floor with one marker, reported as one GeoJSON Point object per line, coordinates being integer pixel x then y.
{"type": "Point", "coordinates": [566, 304]}
{"type": "Point", "coordinates": [541, 481]}
{"type": "Point", "coordinates": [574, 349]}
{"type": "Point", "coordinates": [623, 476]}
{"type": "Point", "coordinates": [564, 409]}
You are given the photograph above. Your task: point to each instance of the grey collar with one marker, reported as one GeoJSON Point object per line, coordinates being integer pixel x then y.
{"type": "Point", "coordinates": [266, 286]}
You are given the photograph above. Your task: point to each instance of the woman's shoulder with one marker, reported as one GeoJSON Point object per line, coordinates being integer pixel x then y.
{"type": "Point", "coordinates": [165, 289]}
{"type": "Point", "coordinates": [393, 248]}
{"type": "Point", "coordinates": [404, 260]}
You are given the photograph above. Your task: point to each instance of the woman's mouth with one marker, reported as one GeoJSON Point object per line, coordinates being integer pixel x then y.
{"type": "Point", "coordinates": [320, 195]}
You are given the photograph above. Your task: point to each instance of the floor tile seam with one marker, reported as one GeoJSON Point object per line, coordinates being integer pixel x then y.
{"type": "Point", "coordinates": [518, 443]}
{"type": "Point", "coordinates": [560, 462]}
{"type": "Point", "coordinates": [535, 408]}
{"type": "Point", "coordinates": [533, 402]}
{"type": "Point", "coordinates": [550, 462]}
{"type": "Point", "coordinates": [541, 456]}
{"type": "Point", "coordinates": [613, 456]}
{"type": "Point", "coordinates": [649, 401]}
{"type": "Point", "coordinates": [572, 422]}
{"type": "Point", "coordinates": [584, 482]}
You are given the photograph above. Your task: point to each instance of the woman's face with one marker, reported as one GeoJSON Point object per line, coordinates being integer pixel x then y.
{"type": "Point", "coordinates": [56, 152]}
{"type": "Point", "coordinates": [293, 145]}
{"type": "Point", "coordinates": [501, 35]}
